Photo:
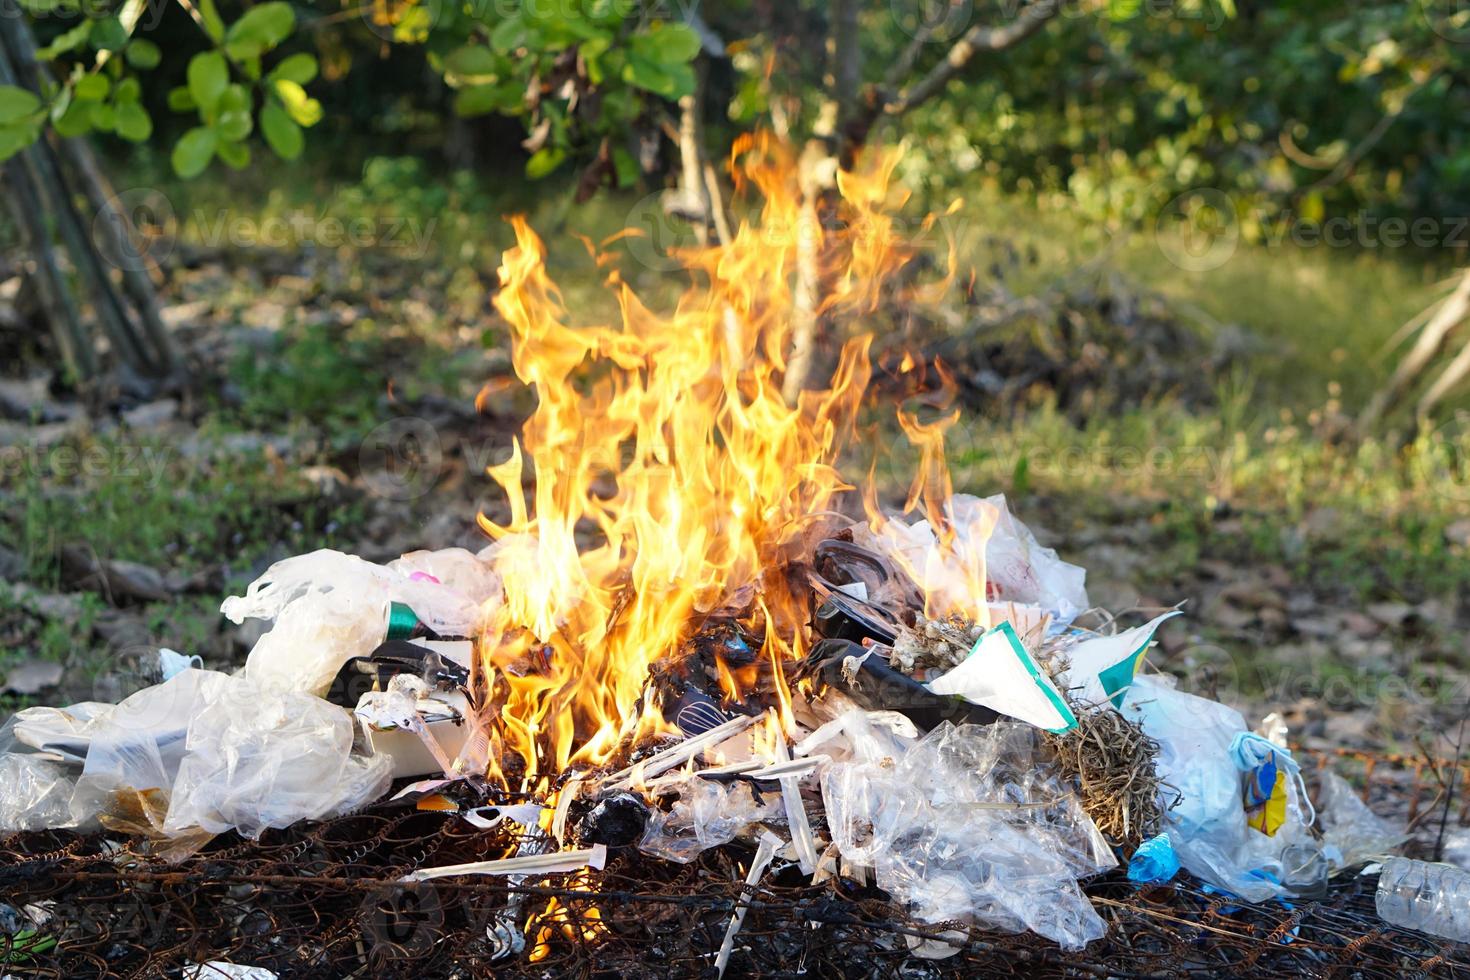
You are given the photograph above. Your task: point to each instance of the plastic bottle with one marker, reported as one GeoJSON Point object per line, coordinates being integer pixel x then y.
{"type": "Point", "coordinates": [1433, 898]}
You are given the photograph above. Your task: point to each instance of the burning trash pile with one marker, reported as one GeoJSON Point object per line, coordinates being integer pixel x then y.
{"type": "Point", "coordinates": [683, 637]}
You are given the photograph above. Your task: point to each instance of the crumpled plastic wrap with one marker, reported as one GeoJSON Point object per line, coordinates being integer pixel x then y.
{"type": "Point", "coordinates": [189, 758]}
{"type": "Point", "coordinates": [1207, 825]}
{"type": "Point", "coordinates": [990, 546]}
{"type": "Point", "coordinates": [256, 761]}
{"type": "Point", "coordinates": [1355, 832]}
{"type": "Point", "coordinates": [965, 822]}
{"type": "Point", "coordinates": [34, 793]}
{"type": "Point", "coordinates": [707, 814]}
{"type": "Point", "coordinates": [329, 607]}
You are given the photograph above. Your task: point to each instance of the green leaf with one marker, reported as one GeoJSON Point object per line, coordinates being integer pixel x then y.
{"type": "Point", "coordinates": [13, 139]}
{"type": "Point", "coordinates": [92, 88]}
{"type": "Point", "coordinates": [305, 110]}
{"type": "Point", "coordinates": [108, 34]}
{"type": "Point", "coordinates": [299, 68]}
{"type": "Point", "coordinates": [235, 155]}
{"type": "Point", "coordinates": [510, 34]}
{"type": "Point", "coordinates": [232, 114]}
{"type": "Point", "coordinates": [39, 6]}
{"type": "Point", "coordinates": [128, 90]}
{"type": "Point", "coordinates": [180, 100]}
{"type": "Point", "coordinates": [262, 28]}
{"type": "Point", "coordinates": [625, 167]}
{"type": "Point", "coordinates": [132, 122]}
{"type": "Point", "coordinates": [477, 100]}
{"type": "Point", "coordinates": [16, 103]}
{"type": "Point", "coordinates": [104, 116]}
{"type": "Point", "coordinates": [544, 161]}
{"type": "Point", "coordinates": [214, 24]}
{"type": "Point", "coordinates": [193, 151]}
{"type": "Point", "coordinates": [142, 53]}
{"type": "Point", "coordinates": [281, 132]}
{"type": "Point", "coordinates": [472, 59]}
{"type": "Point", "coordinates": [75, 121]}
{"type": "Point", "coordinates": [208, 76]}
{"type": "Point", "coordinates": [672, 43]}
{"type": "Point", "coordinates": [670, 81]}
{"type": "Point", "coordinates": [67, 41]}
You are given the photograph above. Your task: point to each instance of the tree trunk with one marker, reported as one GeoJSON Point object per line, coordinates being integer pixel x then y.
{"type": "Point", "coordinates": [42, 189]}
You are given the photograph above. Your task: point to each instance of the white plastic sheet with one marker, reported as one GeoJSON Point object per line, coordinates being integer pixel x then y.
{"type": "Point", "coordinates": [186, 759]}
{"type": "Point", "coordinates": [329, 607]}
{"type": "Point", "coordinates": [992, 546]}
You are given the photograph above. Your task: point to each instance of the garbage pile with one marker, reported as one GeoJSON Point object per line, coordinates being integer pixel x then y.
{"type": "Point", "coordinates": [976, 773]}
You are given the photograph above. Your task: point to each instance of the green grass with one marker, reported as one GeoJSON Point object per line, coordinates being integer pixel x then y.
{"type": "Point", "coordinates": [144, 500]}
{"type": "Point", "coordinates": [1364, 521]}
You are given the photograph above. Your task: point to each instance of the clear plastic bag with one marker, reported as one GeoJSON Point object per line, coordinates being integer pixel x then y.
{"type": "Point", "coordinates": [968, 822]}
{"type": "Point", "coordinates": [989, 546]}
{"type": "Point", "coordinates": [707, 814]}
{"type": "Point", "coordinates": [257, 760]}
{"type": "Point", "coordinates": [1207, 825]}
{"type": "Point", "coordinates": [329, 607]}
{"type": "Point", "coordinates": [189, 758]}
{"type": "Point", "coordinates": [1352, 833]}
{"type": "Point", "coordinates": [35, 794]}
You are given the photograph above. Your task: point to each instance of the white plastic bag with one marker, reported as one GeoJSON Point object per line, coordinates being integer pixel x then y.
{"type": "Point", "coordinates": [329, 607]}
{"type": "Point", "coordinates": [1207, 827]}
{"type": "Point", "coordinates": [256, 760]}
{"type": "Point", "coordinates": [990, 548]}
{"type": "Point", "coordinates": [1022, 570]}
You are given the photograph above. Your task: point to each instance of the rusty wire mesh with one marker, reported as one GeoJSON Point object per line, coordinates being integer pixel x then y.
{"type": "Point", "coordinates": [324, 900]}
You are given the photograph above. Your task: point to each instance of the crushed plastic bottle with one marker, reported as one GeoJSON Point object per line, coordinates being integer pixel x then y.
{"type": "Point", "coordinates": [1433, 898]}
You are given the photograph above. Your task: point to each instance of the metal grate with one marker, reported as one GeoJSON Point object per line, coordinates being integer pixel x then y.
{"type": "Point", "coordinates": [322, 900]}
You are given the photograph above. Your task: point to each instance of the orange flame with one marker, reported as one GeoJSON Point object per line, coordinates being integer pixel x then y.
{"type": "Point", "coordinates": [662, 473]}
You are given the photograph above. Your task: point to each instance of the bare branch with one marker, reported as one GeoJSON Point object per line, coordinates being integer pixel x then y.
{"type": "Point", "coordinates": [980, 39]}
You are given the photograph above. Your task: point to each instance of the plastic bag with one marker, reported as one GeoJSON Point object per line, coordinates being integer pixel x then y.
{"type": "Point", "coordinates": [135, 749]}
{"type": "Point", "coordinates": [1154, 862]}
{"type": "Point", "coordinates": [1023, 571]}
{"type": "Point", "coordinates": [329, 607]}
{"type": "Point", "coordinates": [990, 547]}
{"type": "Point", "coordinates": [707, 814]}
{"type": "Point", "coordinates": [187, 759]}
{"type": "Point", "coordinates": [1207, 826]}
{"type": "Point", "coordinates": [1352, 833]}
{"type": "Point", "coordinates": [454, 568]}
{"type": "Point", "coordinates": [256, 760]}
{"type": "Point", "coordinates": [967, 823]}
{"type": "Point", "coordinates": [35, 793]}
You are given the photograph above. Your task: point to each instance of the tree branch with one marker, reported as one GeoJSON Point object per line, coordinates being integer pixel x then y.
{"type": "Point", "coordinates": [980, 39]}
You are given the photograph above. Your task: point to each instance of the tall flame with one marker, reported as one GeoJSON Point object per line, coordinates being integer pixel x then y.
{"type": "Point", "coordinates": [662, 473]}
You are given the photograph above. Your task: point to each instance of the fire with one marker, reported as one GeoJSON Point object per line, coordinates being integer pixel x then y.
{"type": "Point", "coordinates": [662, 476]}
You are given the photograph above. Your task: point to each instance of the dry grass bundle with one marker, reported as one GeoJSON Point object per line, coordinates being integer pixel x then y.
{"type": "Point", "coordinates": [1113, 764]}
